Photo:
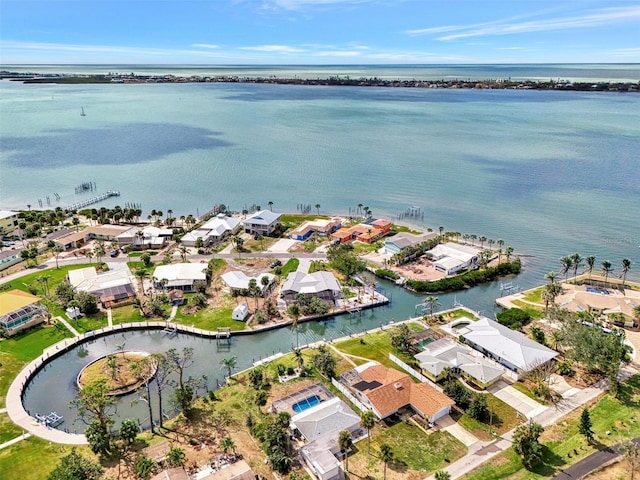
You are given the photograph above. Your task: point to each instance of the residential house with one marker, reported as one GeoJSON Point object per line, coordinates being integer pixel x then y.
{"type": "Point", "coordinates": [113, 288]}
{"type": "Point", "coordinates": [509, 348]}
{"type": "Point", "coordinates": [362, 232]}
{"type": "Point", "coordinates": [237, 280]}
{"type": "Point", "coordinates": [20, 310]}
{"type": "Point", "coordinates": [76, 239]}
{"type": "Point", "coordinates": [450, 258]}
{"type": "Point", "coordinates": [318, 284]}
{"type": "Point", "coordinates": [387, 391]}
{"type": "Point", "coordinates": [213, 231]}
{"type": "Point", "coordinates": [9, 257]}
{"type": "Point", "coordinates": [403, 240]}
{"type": "Point", "coordinates": [322, 227]}
{"type": "Point", "coordinates": [180, 276]}
{"type": "Point", "coordinates": [445, 353]}
{"type": "Point", "coordinates": [320, 427]}
{"type": "Point", "coordinates": [8, 222]}
{"type": "Point", "coordinates": [263, 223]}
{"type": "Point", "coordinates": [148, 237]}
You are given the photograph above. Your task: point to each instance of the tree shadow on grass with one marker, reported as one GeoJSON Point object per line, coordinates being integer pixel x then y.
{"type": "Point", "coordinates": [551, 462]}
{"type": "Point", "coordinates": [628, 391]}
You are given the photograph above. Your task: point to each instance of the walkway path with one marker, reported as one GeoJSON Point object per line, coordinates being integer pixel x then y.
{"type": "Point", "coordinates": [109, 318]}
{"type": "Point", "coordinates": [14, 440]}
{"type": "Point", "coordinates": [518, 400]}
{"type": "Point", "coordinates": [448, 424]}
{"type": "Point", "coordinates": [68, 325]}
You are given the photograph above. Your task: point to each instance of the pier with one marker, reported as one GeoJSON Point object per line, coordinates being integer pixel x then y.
{"type": "Point", "coordinates": [92, 200]}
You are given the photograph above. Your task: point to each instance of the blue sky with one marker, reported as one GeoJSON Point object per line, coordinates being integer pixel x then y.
{"type": "Point", "coordinates": [215, 32]}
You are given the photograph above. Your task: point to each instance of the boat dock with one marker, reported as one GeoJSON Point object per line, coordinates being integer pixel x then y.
{"type": "Point", "coordinates": [92, 200]}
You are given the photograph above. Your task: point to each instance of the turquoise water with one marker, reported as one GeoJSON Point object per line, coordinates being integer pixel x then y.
{"type": "Point", "coordinates": [308, 402]}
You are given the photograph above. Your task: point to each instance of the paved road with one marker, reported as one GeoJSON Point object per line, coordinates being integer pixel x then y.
{"type": "Point", "coordinates": [590, 463]}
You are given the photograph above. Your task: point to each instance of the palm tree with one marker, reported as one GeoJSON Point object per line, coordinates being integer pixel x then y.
{"type": "Point", "coordinates": [386, 454]}
{"type": "Point", "coordinates": [577, 261]}
{"type": "Point", "coordinates": [141, 274]}
{"type": "Point", "coordinates": [345, 442]}
{"type": "Point", "coordinates": [606, 270]}
{"type": "Point", "coordinates": [270, 205]}
{"type": "Point", "coordinates": [556, 339]}
{"type": "Point", "coordinates": [57, 250]}
{"type": "Point", "coordinates": [359, 208]}
{"type": "Point", "coordinates": [626, 266]}
{"type": "Point", "coordinates": [551, 276]}
{"type": "Point", "coordinates": [297, 353]}
{"type": "Point", "coordinates": [482, 240]}
{"type": "Point", "coordinates": [508, 252]}
{"type": "Point", "coordinates": [432, 302]}
{"type": "Point", "coordinates": [473, 238]}
{"type": "Point", "coordinates": [500, 243]}
{"type": "Point", "coordinates": [264, 281]}
{"type": "Point", "coordinates": [591, 261]}
{"type": "Point", "coordinates": [140, 236]}
{"type": "Point", "coordinates": [368, 421]}
{"type": "Point", "coordinates": [229, 364]}
{"type": "Point", "coordinates": [294, 311]}
{"type": "Point", "coordinates": [227, 444]}
{"type": "Point", "coordinates": [318, 208]}
{"type": "Point", "coordinates": [566, 263]}
{"type": "Point", "coordinates": [254, 290]}
{"type": "Point", "coordinates": [183, 253]}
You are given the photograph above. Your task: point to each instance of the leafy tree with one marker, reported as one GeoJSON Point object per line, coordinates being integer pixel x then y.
{"type": "Point", "coordinates": [75, 467]}
{"type": "Point", "coordinates": [457, 392]}
{"type": "Point", "coordinates": [325, 362]}
{"type": "Point", "coordinates": [478, 407]}
{"type": "Point", "coordinates": [229, 364]}
{"type": "Point", "coordinates": [227, 444]}
{"type": "Point", "coordinates": [537, 334]}
{"type": "Point", "coordinates": [145, 258]}
{"type": "Point", "coordinates": [514, 318]}
{"type": "Point", "coordinates": [183, 397]}
{"type": "Point", "coordinates": [87, 303]}
{"type": "Point", "coordinates": [526, 445]}
{"type": "Point", "coordinates": [98, 437]}
{"type": "Point", "coordinates": [261, 398]}
{"type": "Point", "coordinates": [256, 377]}
{"type": "Point", "coordinates": [145, 467]}
{"type": "Point", "coordinates": [585, 425]}
{"type": "Point", "coordinates": [65, 293]}
{"type": "Point", "coordinates": [442, 475]}
{"type": "Point", "coordinates": [401, 338]}
{"type": "Point", "coordinates": [368, 421]}
{"type": "Point", "coordinates": [386, 454]}
{"type": "Point", "coordinates": [176, 457]}
{"type": "Point", "coordinates": [94, 406]}
{"type": "Point", "coordinates": [345, 442]}
{"type": "Point", "coordinates": [129, 429]}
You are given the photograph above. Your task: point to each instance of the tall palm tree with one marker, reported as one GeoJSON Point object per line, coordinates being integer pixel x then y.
{"type": "Point", "coordinates": [270, 205]}
{"type": "Point", "coordinates": [551, 276]}
{"type": "Point", "coordinates": [345, 442]}
{"type": "Point", "coordinates": [500, 243]}
{"type": "Point", "coordinates": [368, 421]}
{"type": "Point", "coordinates": [566, 263]}
{"type": "Point", "coordinates": [229, 364]}
{"type": "Point", "coordinates": [386, 454]}
{"type": "Point", "coordinates": [57, 250]}
{"type": "Point", "coordinates": [473, 238]}
{"type": "Point", "coordinates": [294, 311]}
{"type": "Point", "coordinates": [432, 302]}
{"type": "Point", "coordinates": [360, 208]}
{"type": "Point", "coordinates": [591, 262]}
{"type": "Point", "coordinates": [141, 274]}
{"type": "Point", "coordinates": [508, 252]}
{"type": "Point", "coordinates": [577, 260]}
{"type": "Point", "coordinates": [482, 240]}
{"type": "Point", "coordinates": [626, 266]}
{"type": "Point", "coordinates": [297, 353]}
{"type": "Point", "coordinates": [318, 208]}
{"type": "Point", "coordinates": [607, 268]}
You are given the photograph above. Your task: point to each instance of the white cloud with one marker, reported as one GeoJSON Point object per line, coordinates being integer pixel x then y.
{"type": "Point", "coordinates": [205, 45]}
{"type": "Point", "coordinates": [273, 48]}
{"type": "Point", "coordinates": [340, 53]}
{"type": "Point", "coordinates": [597, 18]}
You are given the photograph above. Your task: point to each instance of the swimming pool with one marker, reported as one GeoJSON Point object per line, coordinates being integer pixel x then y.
{"type": "Point", "coordinates": [308, 402]}
{"type": "Point", "coordinates": [602, 291]}
{"type": "Point", "coordinates": [423, 343]}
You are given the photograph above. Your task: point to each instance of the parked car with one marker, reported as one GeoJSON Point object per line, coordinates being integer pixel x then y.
{"type": "Point", "coordinates": [275, 263]}
{"type": "Point", "coordinates": [114, 253]}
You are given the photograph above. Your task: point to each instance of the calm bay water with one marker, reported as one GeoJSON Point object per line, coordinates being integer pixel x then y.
{"type": "Point", "coordinates": [550, 173]}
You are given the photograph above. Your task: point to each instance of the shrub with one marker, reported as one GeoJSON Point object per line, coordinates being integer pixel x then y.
{"type": "Point", "coordinates": [386, 273]}
{"type": "Point", "coordinates": [513, 318]}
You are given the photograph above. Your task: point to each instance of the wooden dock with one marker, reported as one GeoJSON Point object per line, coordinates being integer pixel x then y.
{"type": "Point", "coordinates": [92, 200]}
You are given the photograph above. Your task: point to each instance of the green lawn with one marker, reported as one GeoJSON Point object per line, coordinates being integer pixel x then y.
{"type": "Point", "coordinates": [290, 266]}
{"type": "Point", "coordinates": [564, 445]}
{"type": "Point", "coordinates": [376, 346]}
{"type": "Point", "coordinates": [210, 319]}
{"type": "Point", "coordinates": [126, 314]}
{"type": "Point", "coordinates": [55, 275]}
{"type": "Point", "coordinates": [533, 312]}
{"type": "Point", "coordinates": [504, 418]}
{"type": "Point", "coordinates": [33, 459]}
{"type": "Point", "coordinates": [8, 430]}
{"type": "Point", "coordinates": [534, 296]}
{"type": "Point", "coordinates": [29, 345]}
{"type": "Point", "coordinates": [93, 322]}
{"type": "Point", "coordinates": [294, 220]}
{"type": "Point", "coordinates": [413, 449]}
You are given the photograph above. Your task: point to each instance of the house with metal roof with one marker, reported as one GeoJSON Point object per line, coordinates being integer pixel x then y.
{"type": "Point", "coordinates": [445, 353]}
{"type": "Point", "coordinates": [509, 348]}
{"type": "Point", "coordinates": [318, 284]}
{"type": "Point", "coordinates": [263, 222]}
{"type": "Point", "coordinates": [182, 276]}
{"type": "Point", "coordinates": [20, 310]}
{"type": "Point", "coordinates": [113, 288]}
{"type": "Point", "coordinates": [213, 231]}
{"type": "Point", "coordinates": [323, 227]}
{"type": "Point", "coordinates": [403, 240]}
{"type": "Point", "coordinates": [237, 280]}
{"type": "Point", "coordinates": [450, 257]}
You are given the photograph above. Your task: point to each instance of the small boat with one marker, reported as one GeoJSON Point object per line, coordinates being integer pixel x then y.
{"type": "Point", "coordinates": [82, 114]}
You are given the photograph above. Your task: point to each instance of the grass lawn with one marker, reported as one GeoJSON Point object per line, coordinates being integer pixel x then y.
{"type": "Point", "coordinates": [139, 254]}
{"type": "Point", "coordinates": [8, 430]}
{"type": "Point", "coordinates": [34, 459]}
{"type": "Point", "coordinates": [504, 419]}
{"type": "Point", "coordinates": [93, 322]}
{"type": "Point", "coordinates": [534, 296]}
{"type": "Point", "coordinates": [375, 346]}
{"type": "Point", "coordinates": [55, 275]}
{"type": "Point", "coordinates": [295, 220]}
{"type": "Point", "coordinates": [564, 445]}
{"type": "Point", "coordinates": [290, 266]}
{"type": "Point", "coordinates": [459, 313]}
{"type": "Point", "coordinates": [126, 314]}
{"type": "Point", "coordinates": [259, 245]}
{"type": "Point", "coordinates": [533, 312]}
{"type": "Point", "coordinates": [412, 450]}
{"type": "Point", "coordinates": [211, 318]}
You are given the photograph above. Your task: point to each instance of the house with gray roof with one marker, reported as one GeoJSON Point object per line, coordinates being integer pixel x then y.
{"type": "Point", "coordinates": [447, 353]}
{"type": "Point", "coordinates": [182, 276]}
{"type": "Point", "coordinates": [263, 222]}
{"type": "Point", "coordinates": [509, 348]}
{"type": "Point", "coordinates": [318, 284]}
{"type": "Point", "coordinates": [403, 240]}
{"type": "Point", "coordinates": [237, 280]}
{"type": "Point", "coordinates": [213, 231]}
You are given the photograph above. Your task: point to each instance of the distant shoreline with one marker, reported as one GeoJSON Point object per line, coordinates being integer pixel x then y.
{"type": "Point", "coordinates": [488, 84]}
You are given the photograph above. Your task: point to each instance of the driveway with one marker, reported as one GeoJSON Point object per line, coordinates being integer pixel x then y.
{"type": "Point", "coordinates": [523, 404]}
{"type": "Point", "coordinates": [459, 432]}
{"type": "Point", "coordinates": [282, 246]}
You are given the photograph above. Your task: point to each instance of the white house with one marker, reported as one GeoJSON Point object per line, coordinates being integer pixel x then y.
{"type": "Point", "coordinates": [113, 288]}
{"type": "Point", "coordinates": [213, 231]}
{"type": "Point", "coordinates": [451, 257]}
{"type": "Point", "coordinates": [240, 312]}
{"type": "Point", "coordinates": [237, 280]}
{"type": "Point", "coordinates": [145, 237]}
{"type": "Point", "coordinates": [509, 348]}
{"type": "Point", "coordinates": [181, 275]}
{"type": "Point", "coordinates": [263, 222]}
{"type": "Point", "coordinates": [318, 284]}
